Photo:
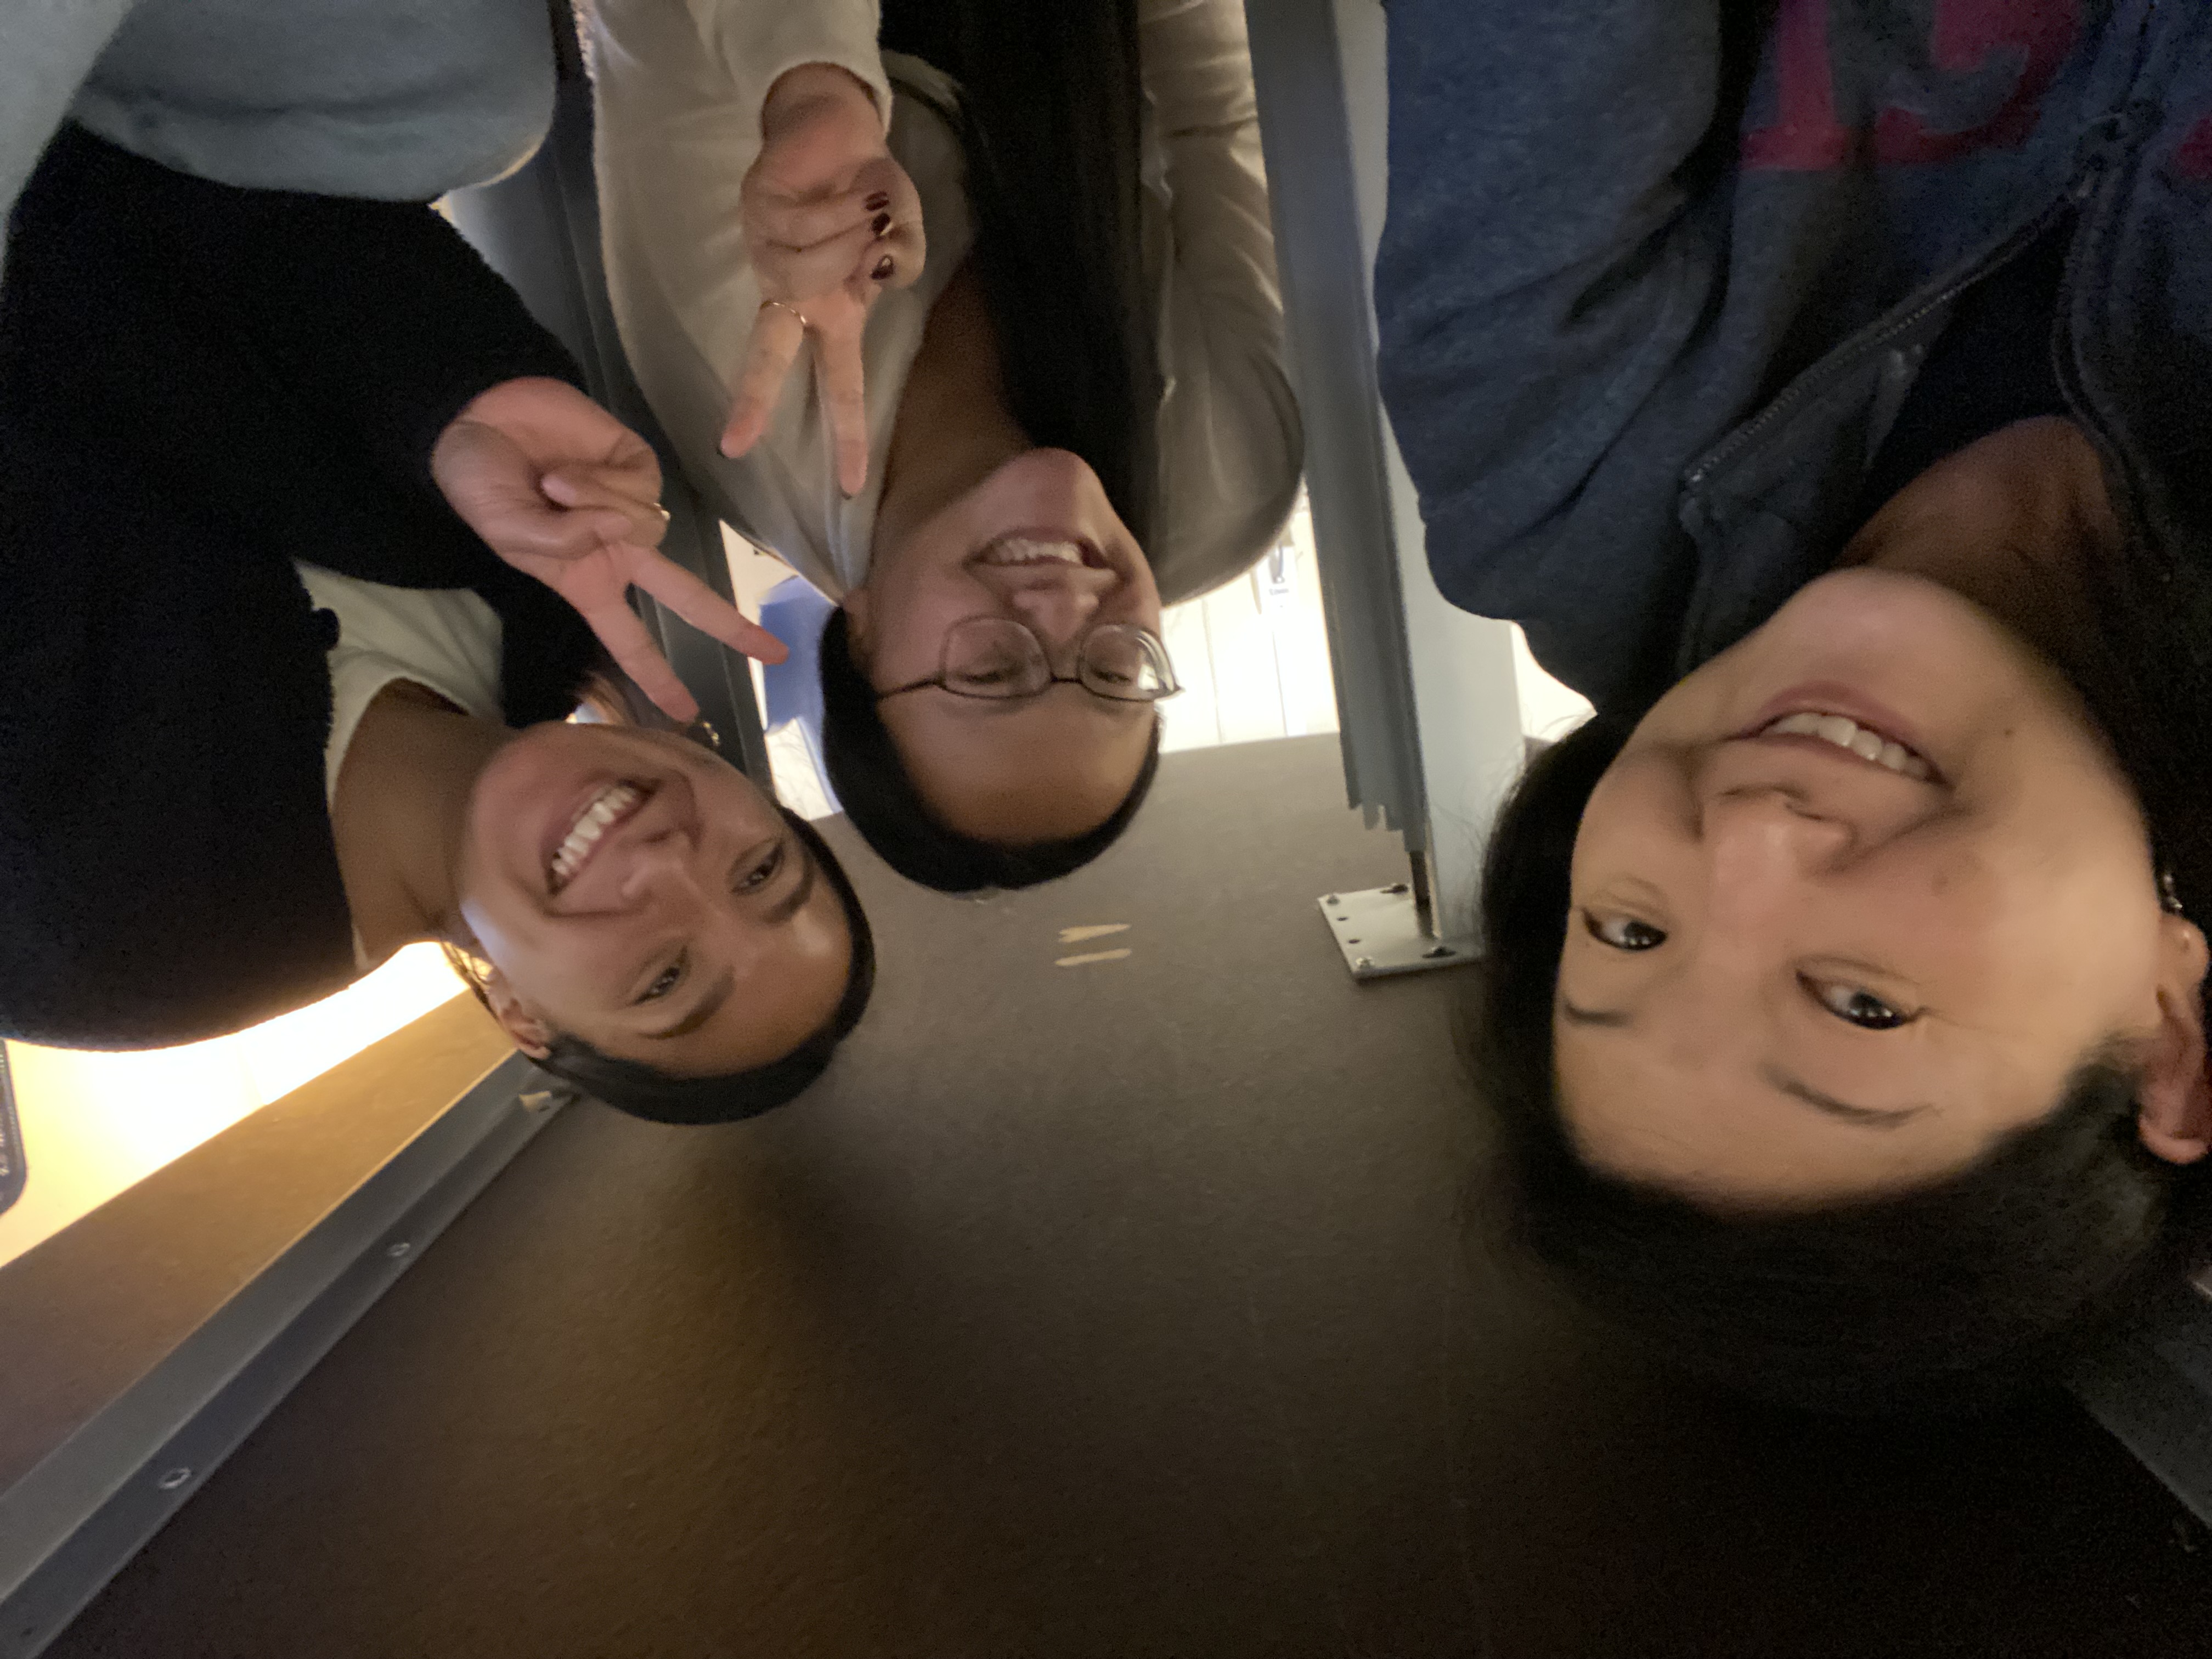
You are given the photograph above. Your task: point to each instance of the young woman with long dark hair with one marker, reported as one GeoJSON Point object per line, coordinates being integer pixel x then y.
{"type": "Point", "coordinates": [1821, 385]}
{"type": "Point", "coordinates": [1026, 249]}
{"type": "Point", "coordinates": [306, 531]}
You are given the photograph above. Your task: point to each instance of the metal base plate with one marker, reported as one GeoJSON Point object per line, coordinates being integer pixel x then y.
{"type": "Point", "coordinates": [1380, 933]}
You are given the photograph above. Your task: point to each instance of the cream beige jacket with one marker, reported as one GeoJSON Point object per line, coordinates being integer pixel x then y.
{"type": "Point", "coordinates": [681, 86]}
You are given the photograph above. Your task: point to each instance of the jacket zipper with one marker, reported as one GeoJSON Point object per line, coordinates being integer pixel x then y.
{"type": "Point", "coordinates": [1850, 355]}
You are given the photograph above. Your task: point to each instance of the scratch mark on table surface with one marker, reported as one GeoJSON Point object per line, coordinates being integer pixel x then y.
{"type": "Point", "coordinates": [1094, 955]}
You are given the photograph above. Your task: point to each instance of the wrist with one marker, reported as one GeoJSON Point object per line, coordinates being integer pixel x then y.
{"type": "Point", "coordinates": [507, 396]}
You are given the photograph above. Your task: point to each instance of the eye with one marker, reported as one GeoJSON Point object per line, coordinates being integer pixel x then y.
{"type": "Point", "coordinates": [988, 673]}
{"type": "Point", "coordinates": [1860, 1007]}
{"type": "Point", "coordinates": [761, 874]}
{"type": "Point", "coordinates": [666, 981]}
{"type": "Point", "coordinates": [1623, 933]}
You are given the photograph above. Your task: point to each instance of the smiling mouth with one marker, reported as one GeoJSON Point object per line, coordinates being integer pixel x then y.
{"type": "Point", "coordinates": [1850, 735]}
{"type": "Point", "coordinates": [611, 807]}
{"type": "Point", "coordinates": [1030, 551]}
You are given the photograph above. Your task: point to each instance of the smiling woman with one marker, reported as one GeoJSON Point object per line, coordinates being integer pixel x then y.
{"type": "Point", "coordinates": [1836, 422]}
{"type": "Point", "coordinates": [1919, 960]}
{"type": "Point", "coordinates": [1844, 1028]}
{"type": "Point", "coordinates": [684, 1049]}
{"type": "Point", "coordinates": [350, 726]}
{"type": "Point", "coordinates": [1027, 251]}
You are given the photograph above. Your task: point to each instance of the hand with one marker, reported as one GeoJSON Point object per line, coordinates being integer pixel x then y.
{"type": "Point", "coordinates": [831, 222]}
{"type": "Point", "coordinates": [564, 492]}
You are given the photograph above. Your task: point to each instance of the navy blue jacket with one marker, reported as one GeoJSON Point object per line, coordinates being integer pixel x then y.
{"type": "Point", "coordinates": [199, 384]}
{"type": "Point", "coordinates": [1657, 276]}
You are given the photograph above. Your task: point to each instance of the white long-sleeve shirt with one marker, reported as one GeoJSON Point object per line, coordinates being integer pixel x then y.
{"type": "Point", "coordinates": [681, 88]}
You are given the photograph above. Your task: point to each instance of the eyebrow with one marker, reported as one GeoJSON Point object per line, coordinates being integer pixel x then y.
{"type": "Point", "coordinates": [991, 709]}
{"type": "Point", "coordinates": [1873, 1117]}
{"type": "Point", "coordinates": [701, 1011]}
{"type": "Point", "coordinates": [795, 901]}
{"type": "Point", "coordinates": [1612, 1019]}
{"type": "Point", "coordinates": [719, 992]}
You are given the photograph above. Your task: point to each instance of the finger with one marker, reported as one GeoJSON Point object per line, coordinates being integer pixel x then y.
{"type": "Point", "coordinates": [802, 225]}
{"type": "Point", "coordinates": [799, 275]}
{"type": "Point", "coordinates": [845, 407]}
{"type": "Point", "coordinates": [625, 636]}
{"type": "Point", "coordinates": [894, 261]}
{"type": "Point", "coordinates": [537, 530]}
{"type": "Point", "coordinates": [619, 515]}
{"type": "Point", "coordinates": [703, 608]}
{"type": "Point", "coordinates": [907, 232]}
{"type": "Point", "coordinates": [777, 335]}
{"type": "Point", "coordinates": [589, 490]}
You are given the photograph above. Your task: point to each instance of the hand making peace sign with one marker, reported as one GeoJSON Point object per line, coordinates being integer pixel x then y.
{"type": "Point", "coordinates": [561, 490]}
{"type": "Point", "coordinates": [831, 222]}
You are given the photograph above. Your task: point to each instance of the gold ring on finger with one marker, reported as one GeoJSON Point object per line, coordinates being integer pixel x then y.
{"type": "Point", "coordinates": [794, 310]}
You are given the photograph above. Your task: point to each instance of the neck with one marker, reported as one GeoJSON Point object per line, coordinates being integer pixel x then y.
{"type": "Point", "coordinates": [2015, 522]}
{"type": "Point", "coordinates": [400, 817]}
{"type": "Point", "coordinates": [954, 428]}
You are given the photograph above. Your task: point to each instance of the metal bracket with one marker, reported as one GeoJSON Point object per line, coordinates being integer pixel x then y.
{"type": "Point", "coordinates": [1380, 932]}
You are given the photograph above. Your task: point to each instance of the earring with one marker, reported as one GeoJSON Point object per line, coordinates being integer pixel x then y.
{"type": "Point", "coordinates": [2168, 900]}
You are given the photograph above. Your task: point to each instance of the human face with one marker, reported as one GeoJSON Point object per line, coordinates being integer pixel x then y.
{"type": "Point", "coordinates": [1036, 541]}
{"type": "Point", "coordinates": [1793, 972]}
{"type": "Point", "coordinates": [695, 933]}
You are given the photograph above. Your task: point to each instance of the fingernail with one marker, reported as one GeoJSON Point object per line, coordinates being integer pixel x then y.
{"type": "Point", "coordinates": [883, 223]}
{"type": "Point", "coordinates": [884, 267]}
{"type": "Point", "coordinates": [879, 201]}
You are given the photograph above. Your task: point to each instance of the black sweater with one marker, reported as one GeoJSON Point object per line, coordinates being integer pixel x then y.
{"type": "Point", "coordinates": [199, 384]}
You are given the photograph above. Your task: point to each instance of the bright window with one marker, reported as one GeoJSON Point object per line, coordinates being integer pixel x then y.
{"type": "Point", "coordinates": [94, 1123]}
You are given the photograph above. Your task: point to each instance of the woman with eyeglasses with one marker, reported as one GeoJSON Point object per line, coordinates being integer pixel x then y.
{"type": "Point", "coordinates": [1824, 387]}
{"type": "Point", "coordinates": [1023, 255]}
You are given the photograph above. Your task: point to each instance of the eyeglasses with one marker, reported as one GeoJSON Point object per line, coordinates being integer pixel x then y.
{"type": "Point", "coordinates": [996, 658]}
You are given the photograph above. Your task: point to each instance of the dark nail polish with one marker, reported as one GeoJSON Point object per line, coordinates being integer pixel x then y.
{"type": "Point", "coordinates": [883, 223]}
{"type": "Point", "coordinates": [884, 267]}
{"type": "Point", "coordinates": [879, 201]}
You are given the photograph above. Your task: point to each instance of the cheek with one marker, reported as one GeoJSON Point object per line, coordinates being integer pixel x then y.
{"type": "Point", "coordinates": [505, 940]}
{"type": "Point", "coordinates": [909, 623]}
{"type": "Point", "coordinates": [731, 804]}
{"type": "Point", "coordinates": [1638, 807]}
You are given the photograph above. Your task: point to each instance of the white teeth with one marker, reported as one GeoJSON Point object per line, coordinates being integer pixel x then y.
{"type": "Point", "coordinates": [1020, 549]}
{"type": "Point", "coordinates": [1846, 734]}
{"type": "Point", "coordinates": [610, 804]}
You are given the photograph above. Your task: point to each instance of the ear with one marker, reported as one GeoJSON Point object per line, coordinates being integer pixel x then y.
{"type": "Point", "coordinates": [860, 641]}
{"type": "Point", "coordinates": [531, 1033]}
{"type": "Point", "coordinates": [2175, 1119]}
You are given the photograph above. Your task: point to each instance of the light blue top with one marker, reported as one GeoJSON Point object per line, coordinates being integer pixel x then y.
{"type": "Point", "coordinates": [392, 99]}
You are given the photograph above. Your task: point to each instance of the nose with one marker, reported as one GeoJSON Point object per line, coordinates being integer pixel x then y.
{"type": "Point", "coordinates": [1763, 844]}
{"type": "Point", "coordinates": [1058, 610]}
{"type": "Point", "coordinates": [660, 868]}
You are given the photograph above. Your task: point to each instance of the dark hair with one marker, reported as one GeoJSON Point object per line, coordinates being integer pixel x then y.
{"type": "Point", "coordinates": [1050, 125]}
{"type": "Point", "coordinates": [872, 785]}
{"type": "Point", "coordinates": [1947, 1296]}
{"type": "Point", "coordinates": [642, 1091]}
